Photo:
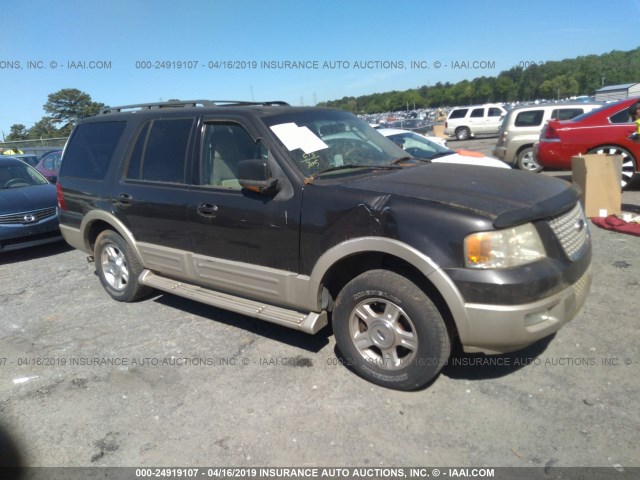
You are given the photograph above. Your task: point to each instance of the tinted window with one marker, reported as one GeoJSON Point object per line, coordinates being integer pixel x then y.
{"type": "Point", "coordinates": [225, 144]}
{"type": "Point", "coordinates": [90, 149]}
{"type": "Point", "coordinates": [495, 112]}
{"type": "Point", "coordinates": [531, 118]}
{"type": "Point", "coordinates": [621, 117]}
{"type": "Point", "coordinates": [160, 151]}
{"type": "Point", "coordinates": [134, 170]}
{"type": "Point", "coordinates": [459, 113]}
{"type": "Point", "coordinates": [566, 113]}
{"type": "Point", "coordinates": [477, 112]}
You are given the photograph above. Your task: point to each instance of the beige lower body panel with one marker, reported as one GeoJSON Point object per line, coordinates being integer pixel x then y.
{"type": "Point", "coordinates": [500, 329]}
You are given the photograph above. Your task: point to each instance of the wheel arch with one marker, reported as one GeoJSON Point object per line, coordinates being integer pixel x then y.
{"type": "Point", "coordinates": [97, 221]}
{"type": "Point", "coordinates": [345, 261]}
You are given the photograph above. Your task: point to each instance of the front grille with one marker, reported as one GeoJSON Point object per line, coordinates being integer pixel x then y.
{"type": "Point", "coordinates": [572, 231]}
{"type": "Point", "coordinates": [25, 218]}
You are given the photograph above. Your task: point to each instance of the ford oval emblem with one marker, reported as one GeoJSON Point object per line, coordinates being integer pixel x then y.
{"type": "Point", "coordinates": [579, 225]}
{"type": "Point", "coordinates": [29, 218]}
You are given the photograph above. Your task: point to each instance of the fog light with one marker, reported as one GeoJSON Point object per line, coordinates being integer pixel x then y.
{"type": "Point", "coordinates": [537, 317]}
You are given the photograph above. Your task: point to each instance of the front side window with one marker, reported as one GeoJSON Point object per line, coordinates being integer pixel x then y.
{"type": "Point", "coordinates": [495, 112]}
{"type": "Point", "coordinates": [160, 151]}
{"type": "Point", "coordinates": [226, 144]}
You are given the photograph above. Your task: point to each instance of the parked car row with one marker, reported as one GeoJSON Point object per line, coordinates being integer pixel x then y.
{"type": "Point", "coordinates": [534, 137]}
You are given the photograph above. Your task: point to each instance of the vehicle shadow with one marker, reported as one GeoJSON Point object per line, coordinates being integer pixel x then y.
{"type": "Point", "coordinates": [294, 338]}
{"type": "Point", "coordinates": [478, 366]}
{"type": "Point", "coordinates": [33, 253]}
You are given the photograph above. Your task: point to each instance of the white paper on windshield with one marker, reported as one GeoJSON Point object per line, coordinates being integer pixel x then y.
{"type": "Point", "coordinates": [294, 137]}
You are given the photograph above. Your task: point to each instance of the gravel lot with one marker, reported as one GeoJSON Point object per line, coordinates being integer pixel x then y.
{"type": "Point", "coordinates": [87, 381]}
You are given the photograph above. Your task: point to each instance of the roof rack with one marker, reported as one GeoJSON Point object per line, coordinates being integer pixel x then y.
{"type": "Point", "coordinates": [188, 103]}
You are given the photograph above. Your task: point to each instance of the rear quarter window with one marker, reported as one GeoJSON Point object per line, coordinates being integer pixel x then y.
{"type": "Point", "coordinates": [531, 118]}
{"type": "Point", "coordinates": [621, 117]}
{"type": "Point", "coordinates": [566, 113]}
{"type": "Point", "coordinates": [90, 150]}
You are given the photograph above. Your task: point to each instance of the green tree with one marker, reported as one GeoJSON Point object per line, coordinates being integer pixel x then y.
{"type": "Point", "coordinates": [45, 128]}
{"type": "Point", "coordinates": [18, 132]}
{"type": "Point", "coordinates": [69, 105]}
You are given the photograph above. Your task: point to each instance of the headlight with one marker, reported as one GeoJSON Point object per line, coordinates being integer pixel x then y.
{"type": "Point", "coordinates": [506, 248]}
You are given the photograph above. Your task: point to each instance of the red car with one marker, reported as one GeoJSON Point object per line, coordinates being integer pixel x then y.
{"type": "Point", "coordinates": [604, 130]}
{"type": "Point", "coordinates": [49, 165]}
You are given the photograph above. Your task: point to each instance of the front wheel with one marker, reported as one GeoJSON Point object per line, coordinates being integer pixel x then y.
{"type": "Point", "coordinates": [118, 267]}
{"type": "Point", "coordinates": [629, 166]}
{"type": "Point", "coordinates": [389, 331]}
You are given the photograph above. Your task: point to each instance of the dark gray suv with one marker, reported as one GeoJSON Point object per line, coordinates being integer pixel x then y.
{"type": "Point", "coordinates": [305, 216]}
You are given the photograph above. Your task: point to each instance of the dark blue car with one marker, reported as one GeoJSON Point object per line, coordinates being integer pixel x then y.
{"type": "Point", "coordinates": [28, 207]}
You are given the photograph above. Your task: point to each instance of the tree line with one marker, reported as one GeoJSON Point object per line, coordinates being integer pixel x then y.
{"type": "Point", "coordinates": [549, 80]}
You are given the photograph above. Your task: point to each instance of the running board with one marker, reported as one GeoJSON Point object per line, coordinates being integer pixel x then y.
{"type": "Point", "coordinates": [309, 323]}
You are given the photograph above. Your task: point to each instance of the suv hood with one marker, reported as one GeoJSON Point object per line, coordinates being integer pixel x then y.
{"type": "Point", "coordinates": [507, 197]}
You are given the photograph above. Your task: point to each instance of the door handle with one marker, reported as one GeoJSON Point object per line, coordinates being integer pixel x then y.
{"type": "Point", "coordinates": [124, 199]}
{"type": "Point", "coordinates": [207, 210]}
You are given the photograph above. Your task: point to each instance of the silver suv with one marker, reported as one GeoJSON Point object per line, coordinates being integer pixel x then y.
{"type": "Point", "coordinates": [521, 129]}
{"type": "Point", "coordinates": [467, 122]}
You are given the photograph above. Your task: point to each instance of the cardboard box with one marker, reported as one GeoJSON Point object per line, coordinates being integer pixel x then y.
{"type": "Point", "coordinates": [598, 177]}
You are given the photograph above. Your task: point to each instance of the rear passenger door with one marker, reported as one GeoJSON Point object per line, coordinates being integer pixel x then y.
{"type": "Point", "coordinates": [151, 194]}
{"type": "Point", "coordinates": [477, 120]}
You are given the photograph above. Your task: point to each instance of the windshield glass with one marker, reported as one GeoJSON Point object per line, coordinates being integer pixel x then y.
{"type": "Point", "coordinates": [19, 175]}
{"type": "Point", "coordinates": [320, 140]}
{"type": "Point", "coordinates": [418, 146]}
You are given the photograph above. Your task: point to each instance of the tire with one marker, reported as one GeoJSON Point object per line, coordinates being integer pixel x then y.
{"type": "Point", "coordinates": [463, 133]}
{"type": "Point", "coordinates": [389, 331]}
{"type": "Point", "coordinates": [629, 163]}
{"type": "Point", "coordinates": [118, 268]}
{"type": "Point", "coordinates": [525, 161]}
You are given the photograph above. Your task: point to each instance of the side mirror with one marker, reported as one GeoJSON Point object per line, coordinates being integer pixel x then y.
{"type": "Point", "coordinates": [254, 175]}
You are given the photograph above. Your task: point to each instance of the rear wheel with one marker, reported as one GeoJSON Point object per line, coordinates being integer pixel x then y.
{"type": "Point", "coordinates": [463, 133]}
{"type": "Point", "coordinates": [389, 331]}
{"type": "Point", "coordinates": [526, 161]}
{"type": "Point", "coordinates": [629, 164]}
{"type": "Point", "coordinates": [118, 267]}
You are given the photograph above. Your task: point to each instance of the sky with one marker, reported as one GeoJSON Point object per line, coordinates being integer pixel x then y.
{"type": "Point", "coordinates": [139, 51]}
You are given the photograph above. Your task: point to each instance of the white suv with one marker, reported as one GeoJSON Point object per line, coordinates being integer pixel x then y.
{"type": "Point", "coordinates": [521, 129]}
{"type": "Point", "coordinates": [467, 122]}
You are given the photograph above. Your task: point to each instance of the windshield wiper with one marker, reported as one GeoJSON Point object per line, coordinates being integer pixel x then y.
{"type": "Point", "coordinates": [403, 159]}
{"type": "Point", "coordinates": [442, 154]}
{"type": "Point", "coordinates": [351, 165]}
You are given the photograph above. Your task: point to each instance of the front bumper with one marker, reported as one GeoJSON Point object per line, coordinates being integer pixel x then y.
{"type": "Point", "coordinates": [496, 329]}
{"type": "Point", "coordinates": [14, 237]}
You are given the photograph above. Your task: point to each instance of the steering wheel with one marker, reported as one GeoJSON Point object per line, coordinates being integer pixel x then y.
{"type": "Point", "coordinates": [13, 182]}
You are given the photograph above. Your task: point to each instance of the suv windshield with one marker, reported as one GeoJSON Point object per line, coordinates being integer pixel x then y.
{"type": "Point", "coordinates": [324, 140]}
